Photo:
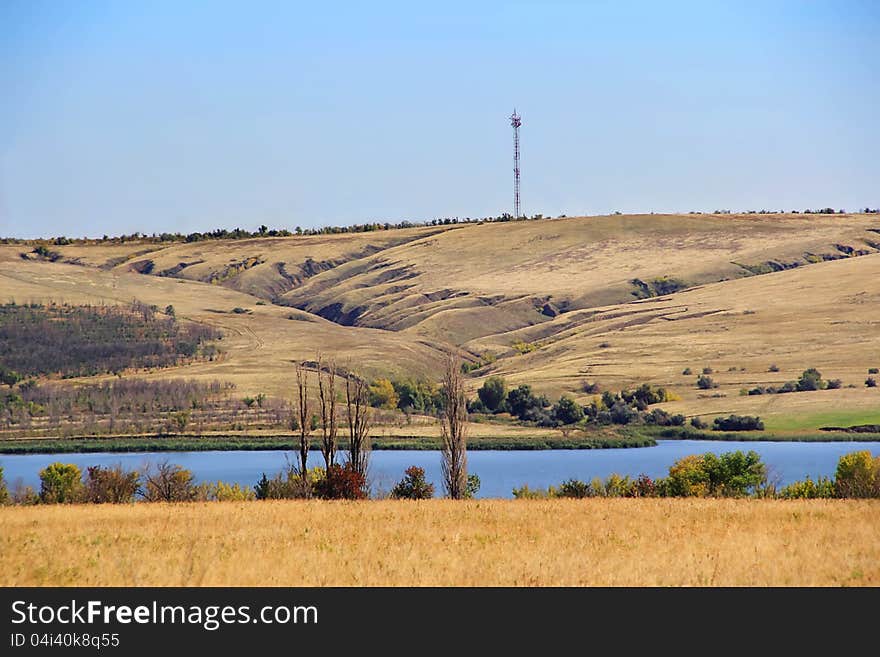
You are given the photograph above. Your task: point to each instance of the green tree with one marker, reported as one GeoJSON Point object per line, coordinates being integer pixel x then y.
{"type": "Point", "coordinates": [567, 411]}
{"type": "Point", "coordinates": [492, 393]}
{"type": "Point", "coordinates": [413, 486]}
{"type": "Point", "coordinates": [60, 483]}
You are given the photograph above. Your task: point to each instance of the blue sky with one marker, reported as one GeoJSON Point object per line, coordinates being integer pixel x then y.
{"type": "Point", "coordinates": [180, 116]}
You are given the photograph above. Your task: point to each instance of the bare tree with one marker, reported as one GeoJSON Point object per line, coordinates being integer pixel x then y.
{"type": "Point", "coordinates": [357, 398]}
{"type": "Point", "coordinates": [453, 426]}
{"type": "Point", "coordinates": [327, 395]}
{"type": "Point", "coordinates": [303, 417]}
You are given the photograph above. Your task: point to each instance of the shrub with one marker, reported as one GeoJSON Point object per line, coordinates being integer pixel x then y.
{"type": "Point", "coordinates": [524, 404]}
{"type": "Point", "coordinates": [643, 487]}
{"type": "Point", "coordinates": [835, 384]}
{"type": "Point", "coordinates": [526, 493]}
{"type": "Point", "coordinates": [60, 483]}
{"type": "Point", "coordinates": [663, 419]}
{"type": "Point", "coordinates": [617, 486]}
{"type": "Point", "coordinates": [567, 411]}
{"type": "Point", "coordinates": [687, 478]}
{"type": "Point", "coordinates": [111, 485]}
{"type": "Point", "coordinates": [166, 482]}
{"type": "Point", "coordinates": [873, 370]}
{"type": "Point", "coordinates": [341, 482]}
{"type": "Point", "coordinates": [705, 382]}
{"type": "Point", "coordinates": [738, 423]}
{"type": "Point", "coordinates": [808, 489]}
{"type": "Point", "coordinates": [773, 368]}
{"type": "Point", "coordinates": [413, 486]}
{"type": "Point", "coordinates": [574, 488]}
{"type": "Point", "coordinates": [620, 413]}
{"type": "Point", "coordinates": [811, 379]}
{"type": "Point", "coordinates": [590, 388]}
{"type": "Point", "coordinates": [734, 474]}
{"type": "Point", "coordinates": [871, 382]}
{"type": "Point", "coordinates": [708, 370]}
{"type": "Point", "coordinates": [288, 485]}
{"type": "Point", "coordinates": [472, 487]}
{"type": "Point", "coordinates": [687, 371]}
{"type": "Point", "coordinates": [382, 394]}
{"type": "Point", "coordinates": [4, 491]}
{"type": "Point", "coordinates": [858, 475]}
{"type": "Point", "coordinates": [698, 423]}
{"type": "Point", "coordinates": [492, 393]}
{"type": "Point", "coordinates": [220, 491]}
{"type": "Point", "coordinates": [645, 395]}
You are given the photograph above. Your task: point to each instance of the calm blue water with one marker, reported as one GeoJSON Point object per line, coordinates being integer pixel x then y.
{"type": "Point", "coordinates": [499, 471]}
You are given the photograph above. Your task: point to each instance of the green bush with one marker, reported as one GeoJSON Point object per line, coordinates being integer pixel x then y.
{"type": "Point", "coordinates": [698, 423]}
{"type": "Point", "coordinates": [687, 371]}
{"type": "Point", "coordinates": [738, 423]}
{"type": "Point", "coordinates": [473, 486]}
{"type": "Point", "coordinates": [808, 489]}
{"type": "Point", "coordinates": [873, 370]}
{"type": "Point", "coordinates": [288, 485]}
{"type": "Point", "coordinates": [705, 382]}
{"type": "Point", "coordinates": [413, 486]}
{"type": "Point", "coordinates": [858, 475]}
{"type": "Point", "coordinates": [567, 411]}
{"type": "Point", "coordinates": [4, 491]}
{"type": "Point", "coordinates": [574, 488]}
{"type": "Point", "coordinates": [871, 382]}
{"type": "Point", "coordinates": [526, 493]}
{"type": "Point", "coordinates": [732, 474]}
{"type": "Point", "coordinates": [60, 483]}
{"type": "Point", "coordinates": [811, 379]}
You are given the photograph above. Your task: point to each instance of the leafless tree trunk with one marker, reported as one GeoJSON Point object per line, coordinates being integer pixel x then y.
{"type": "Point", "coordinates": [453, 426]}
{"type": "Point", "coordinates": [302, 413]}
{"type": "Point", "coordinates": [357, 398]}
{"type": "Point", "coordinates": [327, 395]}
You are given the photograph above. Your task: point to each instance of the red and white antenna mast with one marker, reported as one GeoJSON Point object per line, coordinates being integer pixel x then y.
{"type": "Point", "coordinates": [516, 122]}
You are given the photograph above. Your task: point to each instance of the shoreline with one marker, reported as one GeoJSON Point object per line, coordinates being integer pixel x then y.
{"type": "Point", "coordinates": [626, 439]}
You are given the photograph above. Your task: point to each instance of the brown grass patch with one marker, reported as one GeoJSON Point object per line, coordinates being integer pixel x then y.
{"type": "Point", "coordinates": [654, 542]}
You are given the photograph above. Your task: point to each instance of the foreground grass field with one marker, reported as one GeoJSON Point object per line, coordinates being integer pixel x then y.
{"type": "Point", "coordinates": [499, 542]}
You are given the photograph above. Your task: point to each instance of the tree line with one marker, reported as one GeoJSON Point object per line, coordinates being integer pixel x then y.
{"type": "Point", "coordinates": [85, 340]}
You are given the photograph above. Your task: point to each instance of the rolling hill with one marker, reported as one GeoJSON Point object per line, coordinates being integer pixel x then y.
{"type": "Point", "coordinates": [613, 300]}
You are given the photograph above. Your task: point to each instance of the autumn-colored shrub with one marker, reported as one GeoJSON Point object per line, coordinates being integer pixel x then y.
{"type": "Point", "coordinates": [112, 485]}
{"type": "Point", "coordinates": [341, 482]}
{"type": "Point", "coordinates": [166, 482]}
{"type": "Point", "coordinates": [858, 475]}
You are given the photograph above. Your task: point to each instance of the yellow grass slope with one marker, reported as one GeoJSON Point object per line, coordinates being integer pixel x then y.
{"type": "Point", "coordinates": [259, 346]}
{"type": "Point", "coordinates": [441, 542]}
{"type": "Point", "coordinates": [393, 302]}
{"type": "Point", "coordinates": [825, 315]}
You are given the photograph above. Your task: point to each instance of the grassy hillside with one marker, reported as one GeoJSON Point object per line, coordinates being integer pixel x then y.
{"type": "Point", "coordinates": [616, 300]}
{"type": "Point", "coordinates": [598, 542]}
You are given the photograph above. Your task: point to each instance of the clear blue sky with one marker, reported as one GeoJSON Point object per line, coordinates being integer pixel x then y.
{"type": "Point", "coordinates": [184, 115]}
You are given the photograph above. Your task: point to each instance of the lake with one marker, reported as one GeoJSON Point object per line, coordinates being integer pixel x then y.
{"type": "Point", "coordinates": [499, 471]}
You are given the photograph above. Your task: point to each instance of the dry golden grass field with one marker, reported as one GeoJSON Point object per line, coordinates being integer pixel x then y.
{"type": "Point", "coordinates": [394, 302]}
{"type": "Point", "coordinates": [609, 542]}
